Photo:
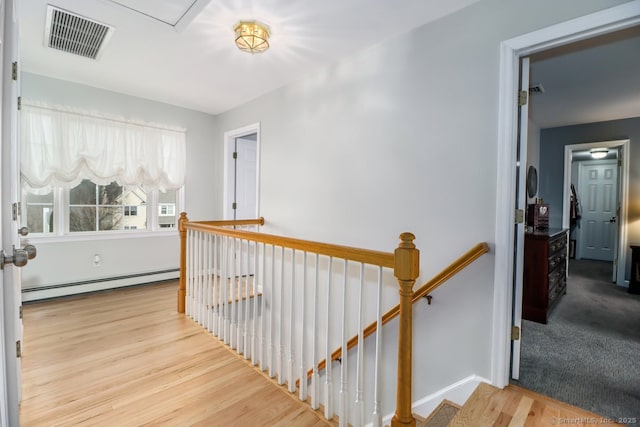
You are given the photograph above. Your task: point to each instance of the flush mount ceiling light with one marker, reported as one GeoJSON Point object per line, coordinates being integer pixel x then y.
{"type": "Point", "coordinates": [252, 37]}
{"type": "Point", "coordinates": [599, 153]}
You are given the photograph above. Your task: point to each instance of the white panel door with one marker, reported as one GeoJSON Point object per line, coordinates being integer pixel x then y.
{"type": "Point", "coordinates": [10, 285]}
{"type": "Point", "coordinates": [598, 194]}
{"type": "Point", "coordinates": [245, 179]}
{"type": "Point", "coordinates": [521, 200]}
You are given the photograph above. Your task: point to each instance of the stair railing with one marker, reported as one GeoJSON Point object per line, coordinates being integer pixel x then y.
{"type": "Point", "coordinates": [424, 291]}
{"type": "Point", "coordinates": [270, 298]}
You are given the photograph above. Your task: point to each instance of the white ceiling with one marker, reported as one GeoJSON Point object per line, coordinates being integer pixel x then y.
{"type": "Point", "coordinates": [181, 52]}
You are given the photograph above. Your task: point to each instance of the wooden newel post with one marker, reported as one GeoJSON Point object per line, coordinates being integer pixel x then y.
{"type": "Point", "coordinates": [407, 266]}
{"type": "Point", "coordinates": [182, 291]}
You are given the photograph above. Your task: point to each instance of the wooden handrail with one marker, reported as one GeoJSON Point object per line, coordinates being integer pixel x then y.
{"type": "Point", "coordinates": [383, 259]}
{"type": "Point", "coordinates": [231, 222]}
{"type": "Point", "coordinates": [451, 270]}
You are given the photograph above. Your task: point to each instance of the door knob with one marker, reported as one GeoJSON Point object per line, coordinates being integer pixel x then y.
{"type": "Point", "coordinates": [30, 250]}
{"type": "Point", "coordinates": [613, 219]}
{"type": "Point", "coordinates": [19, 258]}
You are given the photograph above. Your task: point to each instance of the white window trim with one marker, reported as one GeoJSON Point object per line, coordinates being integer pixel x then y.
{"type": "Point", "coordinates": [61, 221]}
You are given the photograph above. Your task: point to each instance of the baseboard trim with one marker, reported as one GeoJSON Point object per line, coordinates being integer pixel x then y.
{"type": "Point", "coordinates": [457, 393]}
{"type": "Point", "coordinates": [94, 285]}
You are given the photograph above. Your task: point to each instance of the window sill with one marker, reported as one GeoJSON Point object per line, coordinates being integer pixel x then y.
{"type": "Point", "coordinates": [96, 236]}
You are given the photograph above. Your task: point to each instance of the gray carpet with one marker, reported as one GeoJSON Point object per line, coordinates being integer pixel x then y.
{"type": "Point", "coordinates": [588, 354]}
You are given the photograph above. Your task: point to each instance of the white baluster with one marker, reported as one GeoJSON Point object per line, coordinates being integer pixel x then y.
{"type": "Point", "coordinates": [343, 409]}
{"type": "Point", "coordinates": [281, 353]}
{"type": "Point", "coordinates": [192, 273]}
{"type": "Point", "coordinates": [254, 321]}
{"type": "Point", "coordinates": [359, 402]}
{"type": "Point", "coordinates": [302, 390]}
{"type": "Point", "coordinates": [203, 280]}
{"type": "Point", "coordinates": [200, 284]}
{"type": "Point", "coordinates": [377, 407]}
{"type": "Point", "coordinates": [292, 309]}
{"type": "Point", "coordinates": [328, 380]}
{"type": "Point", "coordinates": [225, 289]}
{"type": "Point", "coordinates": [314, 357]}
{"type": "Point", "coordinates": [209, 263]}
{"type": "Point", "coordinates": [220, 272]}
{"type": "Point", "coordinates": [215, 290]}
{"type": "Point", "coordinates": [247, 304]}
{"type": "Point", "coordinates": [263, 314]}
{"type": "Point", "coordinates": [189, 272]}
{"type": "Point", "coordinates": [240, 278]}
{"type": "Point", "coordinates": [272, 313]}
{"type": "Point", "coordinates": [233, 343]}
{"type": "Point", "coordinates": [239, 301]}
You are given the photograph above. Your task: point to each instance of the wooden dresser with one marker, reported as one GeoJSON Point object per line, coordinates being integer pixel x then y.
{"type": "Point", "coordinates": [545, 272]}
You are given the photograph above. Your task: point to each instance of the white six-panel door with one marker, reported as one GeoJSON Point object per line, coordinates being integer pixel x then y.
{"type": "Point", "coordinates": [598, 195]}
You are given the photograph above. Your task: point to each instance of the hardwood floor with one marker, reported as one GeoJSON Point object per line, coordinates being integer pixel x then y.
{"type": "Point", "coordinates": [126, 358]}
{"type": "Point", "coordinates": [514, 406]}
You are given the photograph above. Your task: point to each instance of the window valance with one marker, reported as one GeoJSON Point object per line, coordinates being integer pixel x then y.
{"type": "Point", "coordinates": [61, 147]}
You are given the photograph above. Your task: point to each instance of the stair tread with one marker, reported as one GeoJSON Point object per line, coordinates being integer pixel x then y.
{"type": "Point", "coordinates": [515, 406]}
{"type": "Point", "coordinates": [441, 416]}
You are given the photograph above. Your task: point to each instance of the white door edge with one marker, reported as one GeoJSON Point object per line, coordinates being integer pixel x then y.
{"type": "Point", "coordinates": [229, 142]}
{"type": "Point", "coordinates": [521, 203]}
{"type": "Point", "coordinates": [591, 25]}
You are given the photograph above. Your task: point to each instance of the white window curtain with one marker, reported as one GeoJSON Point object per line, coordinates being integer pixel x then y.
{"type": "Point", "coordinates": [60, 147]}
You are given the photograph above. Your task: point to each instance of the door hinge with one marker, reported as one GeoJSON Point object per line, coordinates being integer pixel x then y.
{"type": "Point", "coordinates": [522, 98]}
{"type": "Point", "coordinates": [14, 70]}
{"type": "Point", "coordinates": [620, 162]}
{"type": "Point", "coordinates": [235, 154]}
{"type": "Point", "coordinates": [19, 103]}
{"type": "Point", "coordinates": [234, 205]}
{"type": "Point", "coordinates": [16, 211]}
{"type": "Point", "coordinates": [18, 349]}
{"type": "Point", "coordinates": [20, 312]}
{"type": "Point", "coordinates": [515, 333]}
{"type": "Point", "coordinates": [519, 216]}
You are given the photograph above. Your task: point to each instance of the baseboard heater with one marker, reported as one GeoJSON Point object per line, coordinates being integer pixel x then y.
{"type": "Point", "coordinates": [93, 285]}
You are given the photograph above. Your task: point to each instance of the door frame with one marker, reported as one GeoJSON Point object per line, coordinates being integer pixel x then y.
{"type": "Point", "coordinates": [229, 144]}
{"type": "Point", "coordinates": [623, 198]}
{"type": "Point", "coordinates": [605, 21]}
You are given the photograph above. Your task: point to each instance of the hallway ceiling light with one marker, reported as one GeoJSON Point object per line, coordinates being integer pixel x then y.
{"type": "Point", "coordinates": [252, 37]}
{"type": "Point", "coordinates": [599, 153]}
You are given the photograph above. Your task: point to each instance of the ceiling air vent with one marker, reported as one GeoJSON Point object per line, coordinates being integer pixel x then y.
{"type": "Point", "coordinates": [536, 89]}
{"type": "Point", "coordinates": [75, 34]}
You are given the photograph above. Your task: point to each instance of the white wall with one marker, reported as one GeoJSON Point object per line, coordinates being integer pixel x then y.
{"type": "Point", "coordinates": [63, 261]}
{"type": "Point", "coordinates": [403, 137]}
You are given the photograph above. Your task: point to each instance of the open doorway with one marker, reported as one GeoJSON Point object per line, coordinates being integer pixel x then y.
{"type": "Point", "coordinates": [596, 181]}
{"type": "Point", "coordinates": [556, 352]}
{"type": "Point", "coordinates": [241, 173]}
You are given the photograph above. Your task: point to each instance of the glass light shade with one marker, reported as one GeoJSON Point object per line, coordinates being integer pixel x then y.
{"type": "Point", "coordinates": [252, 37]}
{"type": "Point", "coordinates": [599, 153]}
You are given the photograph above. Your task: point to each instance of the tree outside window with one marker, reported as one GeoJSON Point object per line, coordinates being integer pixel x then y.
{"type": "Point", "coordinates": [106, 207]}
